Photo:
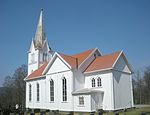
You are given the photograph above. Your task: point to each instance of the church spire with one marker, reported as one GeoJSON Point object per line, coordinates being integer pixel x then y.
{"type": "Point", "coordinates": [40, 34]}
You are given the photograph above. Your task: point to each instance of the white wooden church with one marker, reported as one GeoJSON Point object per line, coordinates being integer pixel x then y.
{"type": "Point", "coordinates": [83, 82]}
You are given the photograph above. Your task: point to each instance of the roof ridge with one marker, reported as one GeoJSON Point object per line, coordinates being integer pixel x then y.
{"type": "Point", "coordinates": [110, 54]}
{"type": "Point", "coordinates": [83, 52]}
{"type": "Point", "coordinates": [77, 53]}
{"type": "Point", "coordinates": [72, 61]}
{"type": "Point", "coordinates": [67, 55]}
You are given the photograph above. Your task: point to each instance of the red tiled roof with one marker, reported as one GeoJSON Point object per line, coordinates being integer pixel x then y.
{"type": "Point", "coordinates": [77, 59]}
{"type": "Point", "coordinates": [70, 60]}
{"type": "Point", "coordinates": [37, 73]}
{"type": "Point", "coordinates": [103, 62]}
{"type": "Point", "coordinates": [82, 56]}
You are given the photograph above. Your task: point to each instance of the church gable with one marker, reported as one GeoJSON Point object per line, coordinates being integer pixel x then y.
{"type": "Point", "coordinates": [71, 62]}
{"type": "Point", "coordinates": [57, 64]}
{"type": "Point", "coordinates": [122, 64]}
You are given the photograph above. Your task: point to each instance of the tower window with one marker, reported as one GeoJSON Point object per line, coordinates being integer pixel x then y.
{"type": "Point", "coordinates": [38, 92]}
{"type": "Point", "coordinates": [44, 56]}
{"type": "Point", "coordinates": [51, 90]}
{"type": "Point", "coordinates": [93, 82]}
{"type": "Point", "coordinates": [99, 82]}
{"type": "Point", "coordinates": [64, 89]}
{"type": "Point", "coordinates": [32, 58]}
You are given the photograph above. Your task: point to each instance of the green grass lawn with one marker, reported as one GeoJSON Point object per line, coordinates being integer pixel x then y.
{"type": "Point", "coordinates": [136, 111]}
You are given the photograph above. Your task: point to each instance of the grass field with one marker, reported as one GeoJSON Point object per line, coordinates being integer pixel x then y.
{"type": "Point", "coordinates": [136, 111]}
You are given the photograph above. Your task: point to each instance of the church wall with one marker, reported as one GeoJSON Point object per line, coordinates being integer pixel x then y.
{"type": "Point", "coordinates": [57, 71]}
{"type": "Point", "coordinates": [87, 103]}
{"type": "Point", "coordinates": [45, 102]}
{"type": "Point", "coordinates": [122, 78]}
{"type": "Point", "coordinates": [58, 66]}
{"type": "Point", "coordinates": [123, 97]}
{"type": "Point", "coordinates": [96, 101]}
{"type": "Point", "coordinates": [58, 98]}
{"type": "Point", "coordinates": [121, 65]}
{"type": "Point", "coordinates": [34, 103]}
{"type": "Point", "coordinates": [78, 79]}
{"type": "Point", "coordinates": [106, 88]}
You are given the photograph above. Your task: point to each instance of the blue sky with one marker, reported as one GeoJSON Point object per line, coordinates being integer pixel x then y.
{"type": "Point", "coordinates": [73, 26]}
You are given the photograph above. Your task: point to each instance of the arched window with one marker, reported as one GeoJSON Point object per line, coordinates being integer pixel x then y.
{"type": "Point", "coordinates": [44, 56]}
{"type": "Point", "coordinates": [64, 89]}
{"type": "Point", "coordinates": [99, 82]}
{"type": "Point", "coordinates": [51, 90]}
{"type": "Point", "coordinates": [38, 92]}
{"type": "Point", "coordinates": [32, 57]}
{"type": "Point", "coordinates": [93, 82]}
{"type": "Point", "coordinates": [30, 91]}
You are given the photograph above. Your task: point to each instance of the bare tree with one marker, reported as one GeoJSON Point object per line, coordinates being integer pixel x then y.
{"type": "Point", "coordinates": [19, 84]}
{"type": "Point", "coordinates": [14, 89]}
{"type": "Point", "coordinates": [141, 86]}
{"type": "Point", "coordinates": [147, 85]}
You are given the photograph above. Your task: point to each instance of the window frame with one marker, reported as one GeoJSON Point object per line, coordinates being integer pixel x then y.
{"type": "Point", "coordinates": [99, 82]}
{"type": "Point", "coordinates": [51, 90]}
{"type": "Point", "coordinates": [93, 82]}
{"type": "Point", "coordinates": [30, 92]}
{"type": "Point", "coordinates": [38, 92]}
{"type": "Point", "coordinates": [81, 100]}
{"type": "Point", "coordinates": [64, 89]}
{"type": "Point", "coordinates": [44, 57]}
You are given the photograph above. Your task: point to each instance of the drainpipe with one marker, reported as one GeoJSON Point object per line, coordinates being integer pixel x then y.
{"type": "Point", "coordinates": [77, 62]}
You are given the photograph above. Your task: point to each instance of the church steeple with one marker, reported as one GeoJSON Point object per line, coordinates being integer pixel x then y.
{"type": "Point", "coordinates": [39, 51]}
{"type": "Point", "coordinates": [40, 34]}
